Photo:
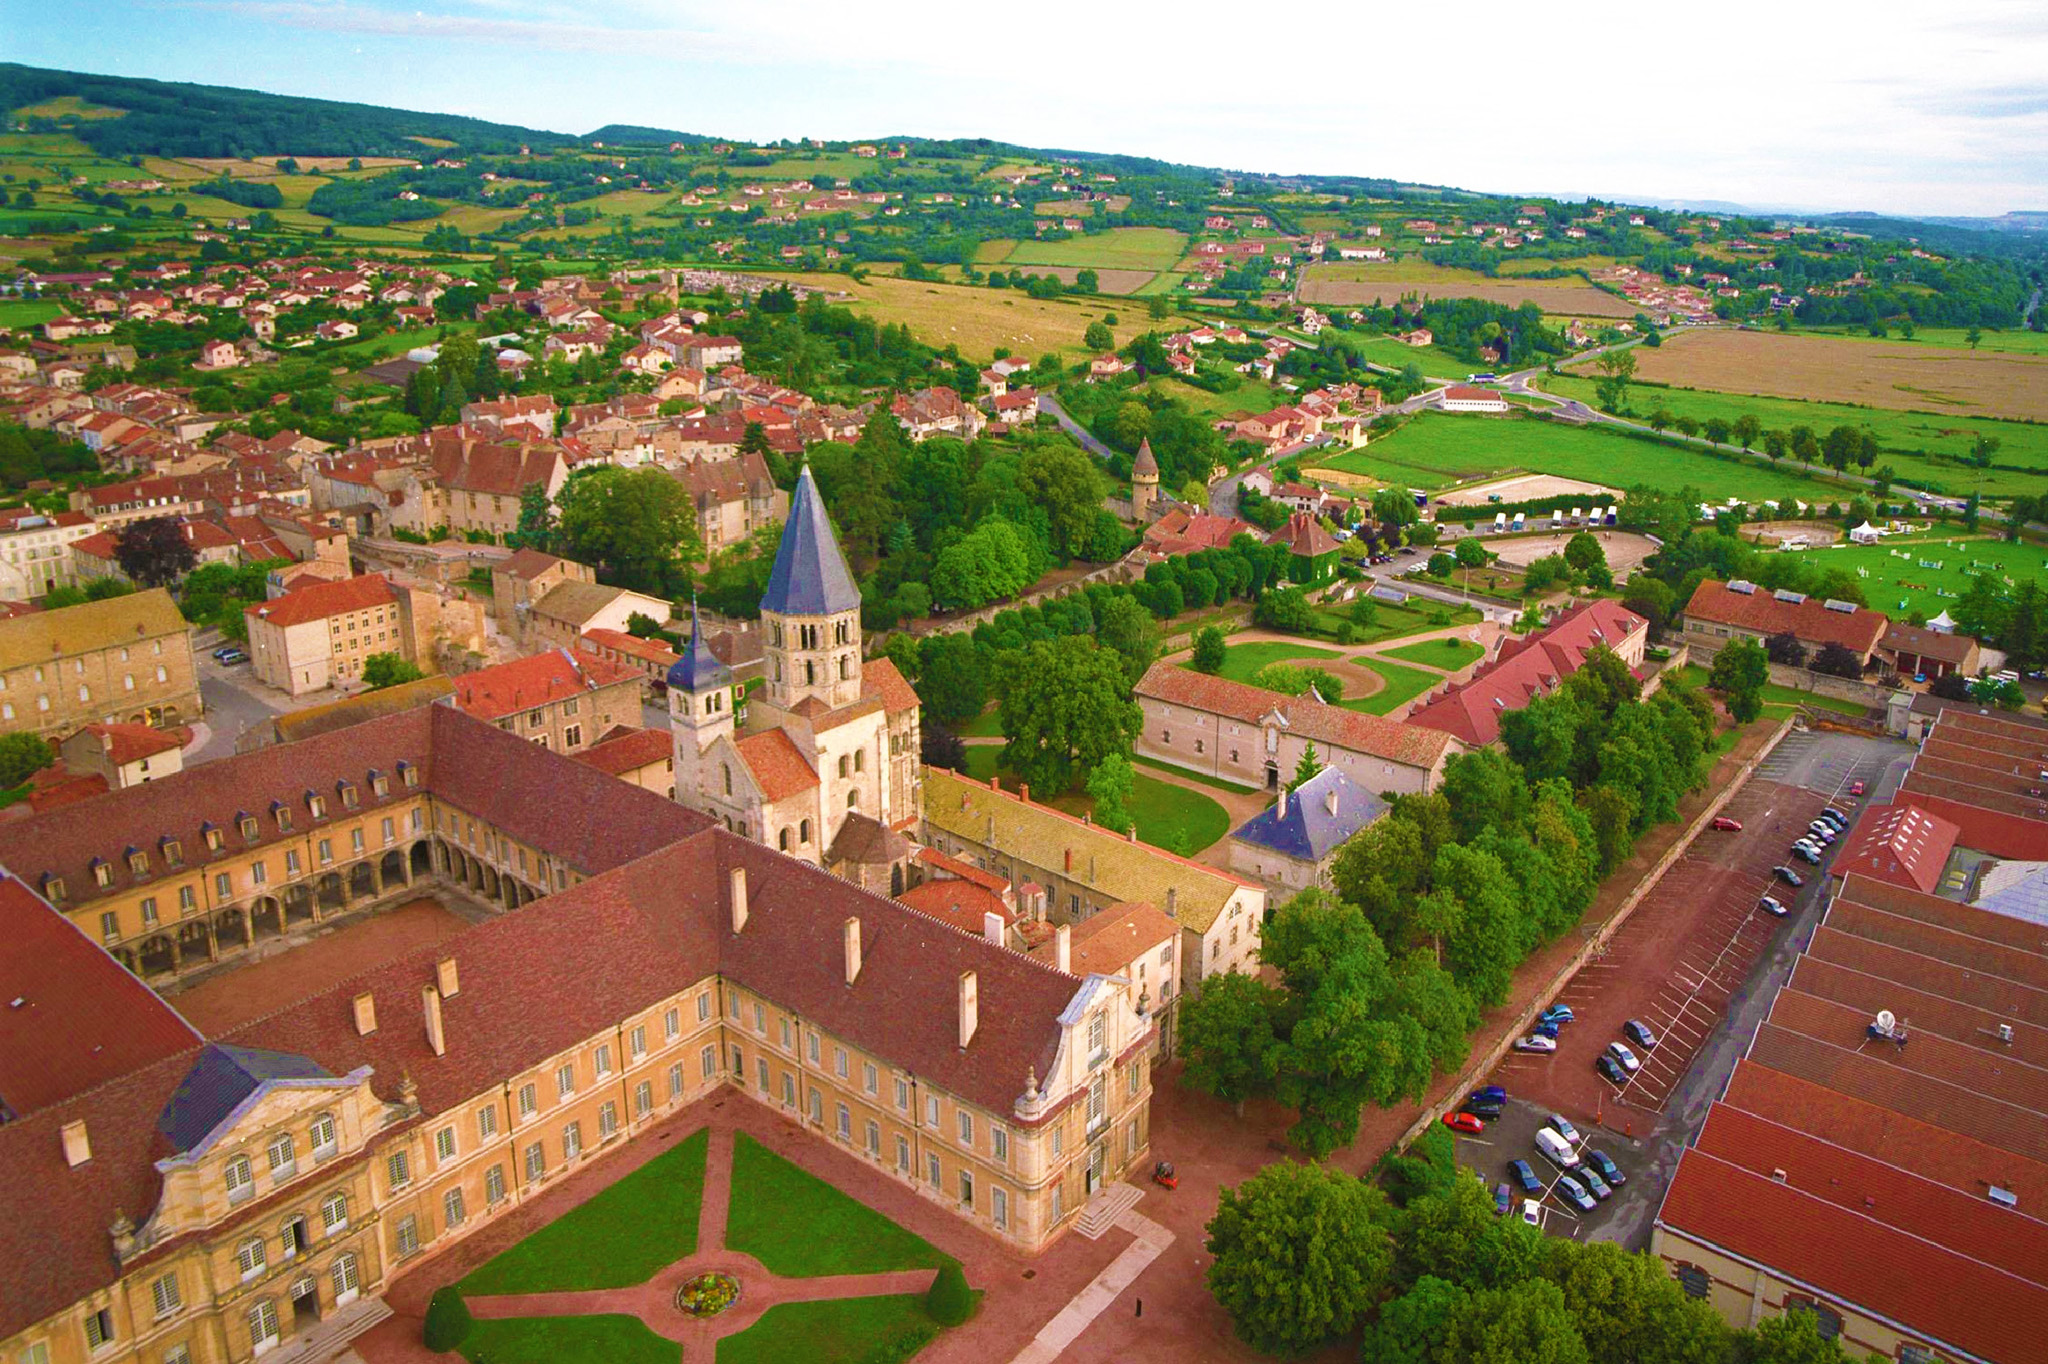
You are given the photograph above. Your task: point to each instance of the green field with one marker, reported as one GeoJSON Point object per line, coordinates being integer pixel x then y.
{"type": "Point", "coordinates": [1435, 451]}
{"type": "Point", "coordinates": [1240, 661]}
{"type": "Point", "coordinates": [1439, 364]}
{"type": "Point", "coordinates": [1165, 815]}
{"type": "Point", "coordinates": [2017, 342]}
{"type": "Point", "coordinates": [1913, 441]}
{"type": "Point", "coordinates": [28, 312]}
{"type": "Point", "coordinates": [879, 1330]}
{"type": "Point", "coordinates": [615, 1339]}
{"type": "Point", "coordinates": [1779, 701]}
{"type": "Point", "coordinates": [1121, 248]}
{"type": "Point", "coordinates": [799, 1226]}
{"type": "Point", "coordinates": [1403, 684]}
{"type": "Point", "coordinates": [1898, 587]}
{"type": "Point", "coordinates": [1449, 653]}
{"type": "Point", "coordinates": [1251, 395]}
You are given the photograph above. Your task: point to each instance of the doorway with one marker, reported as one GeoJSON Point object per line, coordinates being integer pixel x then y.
{"type": "Point", "coordinates": [1272, 776]}
{"type": "Point", "coordinates": [1092, 1177]}
{"type": "Point", "coordinates": [305, 1303]}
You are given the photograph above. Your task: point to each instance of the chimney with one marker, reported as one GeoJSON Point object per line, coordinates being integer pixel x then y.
{"type": "Point", "coordinates": [1070, 862]}
{"type": "Point", "coordinates": [852, 935]}
{"type": "Point", "coordinates": [1173, 902]}
{"type": "Point", "coordinates": [1282, 806]}
{"type": "Point", "coordinates": [444, 978]}
{"type": "Point", "coordinates": [992, 927]}
{"type": "Point", "coordinates": [1063, 949]}
{"type": "Point", "coordinates": [970, 1008]}
{"type": "Point", "coordinates": [1330, 800]}
{"type": "Point", "coordinates": [1024, 792]}
{"type": "Point", "coordinates": [1131, 834]}
{"type": "Point", "coordinates": [430, 1004]}
{"type": "Point", "coordinates": [366, 1014]}
{"type": "Point", "coordinates": [739, 898]}
{"type": "Point", "coordinates": [77, 1150]}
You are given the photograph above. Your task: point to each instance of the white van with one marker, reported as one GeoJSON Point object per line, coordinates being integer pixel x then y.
{"type": "Point", "coordinates": [1556, 1150]}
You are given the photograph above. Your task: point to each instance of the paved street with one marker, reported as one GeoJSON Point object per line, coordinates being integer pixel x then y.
{"type": "Point", "coordinates": [234, 702]}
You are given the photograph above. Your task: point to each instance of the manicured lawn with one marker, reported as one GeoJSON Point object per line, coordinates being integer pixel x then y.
{"type": "Point", "coordinates": [617, 1239]}
{"type": "Point", "coordinates": [1202, 777]}
{"type": "Point", "coordinates": [1166, 816]}
{"type": "Point", "coordinates": [1918, 445]}
{"type": "Point", "coordinates": [28, 312]}
{"type": "Point", "coordinates": [1779, 699]}
{"type": "Point", "coordinates": [1403, 684]}
{"type": "Point", "coordinates": [987, 725]}
{"type": "Point", "coordinates": [1899, 587]}
{"type": "Point", "coordinates": [800, 1227]}
{"type": "Point", "coordinates": [1240, 661]}
{"type": "Point", "coordinates": [1392, 622]}
{"type": "Point", "coordinates": [615, 1339]}
{"type": "Point", "coordinates": [1436, 450]}
{"type": "Point", "coordinates": [837, 1331]}
{"type": "Point", "coordinates": [1448, 654]}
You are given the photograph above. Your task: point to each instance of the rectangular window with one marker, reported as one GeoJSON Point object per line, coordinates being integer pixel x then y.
{"type": "Point", "coordinates": [931, 1110]}
{"type": "Point", "coordinates": [788, 1090]}
{"type": "Point", "coordinates": [572, 1141]}
{"type": "Point", "coordinates": [874, 1134]}
{"type": "Point", "coordinates": [707, 1061]}
{"type": "Point", "coordinates": [817, 1106]}
{"type": "Point", "coordinates": [398, 1170]}
{"type": "Point", "coordinates": [444, 1144]}
{"type": "Point", "coordinates": [536, 1163]}
{"type": "Point", "coordinates": [110, 927]}
{"type": "Point", "coordinates": [529, 1100]}
{"type": "Point", "coordinates": [223, 885]}
{"type": "Point", "coordinates": [672, 1024]}
{"type": "Point", "coordinates": [845, 1123]}
{"type": "Point", "coordinates": [452, 1211]}
{"type": "Point", "coordinates": [902, 1095]}
{"type": "Point", "coordinates": [291, 862]}
{"type": "Point", "coordinates": [761, 1072]}
{"type": "Point", "coordinates": [760, 1018]}
{"type": "Point", "coordinates": [704, 1007]}
{"type": "Point", "coordinates": [565, 1080]}
{"type": "Point", "coordinates": [643, 1099]}
{"type": "Point", "coordinates": [604, 1059]}
{"type": "Point", "coordinates": [811, 1046]}
{"type": "Point", "coordinates": [607, 1120]}
{"type": "Point", "coordinates": [839, 1062]}
{"type": "Point", "coordinates": [967, 1188]}
{"type": "Point", "coordinates": [408, 1236]}
{"type": "Point", "coordinates": [636, 1042]}
{"type": "Point", "coordinates": [903, 1155]}
{"type": "Point", "coordinates": [868, 1078]}
{"type": "Point", "coordinates": [355, 840]}
{"type": "Point", "coordinates": [149, 911]}
{"type": "Point", "coordinates": [933, 1173]}
{"type": "Point", "coordinates": [999, 1205]}
{"type": "Point", "coordinates": [494, 1184]}
{"type": "Point", "coordinates": [487, 1122]}
{"type": "Point", "coordinates": [999, 1144]}
{"type": "Point", "coordinates": [966, 1128]}
{"type": "Point", "coordinates": [164, 1293]}
{"type": "Point", "coordinates": [786, 1044]}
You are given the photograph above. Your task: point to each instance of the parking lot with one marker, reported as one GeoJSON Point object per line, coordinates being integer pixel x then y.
{"type": "Point", "coordinates": [1512, 1136]}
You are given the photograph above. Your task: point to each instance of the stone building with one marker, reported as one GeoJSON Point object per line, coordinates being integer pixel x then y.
{"type": "Point", "coordinates": [125, 659]}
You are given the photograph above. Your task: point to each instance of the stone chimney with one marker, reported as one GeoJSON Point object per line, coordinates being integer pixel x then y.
{"type": "Point", "coordinates": [1063, 949]}
{"type": "Point", "coordinates": [1281, 808]}
{"type": "Point", "coordinates": [1173, 902]}
{"type": "Point", "coordinates": [445, 979]}
{"type": "Point", "coordinates": [1330, 800]}
{"type": "Point", "coordinates": [366, 1014]}
{"type": "Point", "coordinates": [852, 936]}
{"type": "Point", "coordinates": [430, 1005]}
{"type": "Point", "coordinates": [992, 927]}
{"type": "Point", "coordinates": [970, 1007]}
{"type": "Point", "coordinates": [77, 1150]}
{"type": "Point", "coordinates": [739, 898]}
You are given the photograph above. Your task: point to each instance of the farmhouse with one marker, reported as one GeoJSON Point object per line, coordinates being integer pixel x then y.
{"type": "Point", "coordinates": [1722, 611]}
{"type": "Point", "coordinates": [1532, 666]}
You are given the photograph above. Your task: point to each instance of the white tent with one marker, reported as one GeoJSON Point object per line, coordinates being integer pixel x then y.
{"type": "Point", "coordinates": [1943, 624]}
{"type": "Point", "coordinates": [1865, 534]}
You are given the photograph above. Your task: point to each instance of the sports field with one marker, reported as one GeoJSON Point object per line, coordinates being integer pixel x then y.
{"type": "Point", "coordinates": [1434, 451]}
{"type": "Point", "coordinates": [1917, 445]}
{"type": "Point", "coordinates": [1353, 283]}
{"type": "Point", "coordinates": [1836, 369]}
{"type": "Point", "coordinates": [1122, 248]}
{"type": "Point", "coordinates": [1899, 585]}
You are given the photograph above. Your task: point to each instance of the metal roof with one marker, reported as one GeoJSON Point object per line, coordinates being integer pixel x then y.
{"type": "Point", "coordinates": [811, 577]}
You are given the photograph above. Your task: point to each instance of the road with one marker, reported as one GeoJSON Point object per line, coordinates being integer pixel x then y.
{"type": "Point", "coordinates": [1051, 407]}
{"type": "Point", "coordinates": [232, 707]}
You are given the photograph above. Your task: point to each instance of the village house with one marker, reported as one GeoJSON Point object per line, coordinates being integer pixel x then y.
{"type": "Point", "coordinates": [734, 498]}
{"type": "Point", "coordinates": [120, 754]}
{"type": "Point", "coordinates": [561, 616]}
{"type": "Point", "coordinates": [523, 578]}
{"type": "Point", "coordinates": [321, 634]}
{"type": "Point", "coordinates": [562, 699]}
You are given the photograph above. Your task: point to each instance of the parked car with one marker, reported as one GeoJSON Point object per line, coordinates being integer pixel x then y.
{"type": "Point", "coordinates": [1788, 876]}
{"type": "Point", "coordinates": [1856, 788]}
{"type": "Point", "coordinates": [1490, 1093]}
{"type": "Point", "coordinates": [1726, 825]}
{"type": "Point", "coordinates": [1595, 1185]}
{"type": "Point", "coordinates": [1486, 1109]}
{"type": "Point", "coordinates": [1556, 1149]}
{"type": "Point", "coordinates": [1532, 1212]}
{"type": "Point", "coordinates": [224, 650]}
{"type": "Point", "coordinates": [1610, 1069]}
{"type": "Point", "coordinates": [1548, 1028]}
{"type": "Point", "coordinates": [1823, 831]}
{"type": "Point", "coordinates": [1835, 817]}
{"type": "Point", "coordinates": [1558, 1013]}
{"type": "Point", "coordinates": [1535, 1042]}
{"type": "Point", "coordinates": [1623, 1056]}
{"type": "Point", "coordinates": [234, 656]}
{"type": "Point", "coordinates": [1576, 1192]}
{"type": "Point", "coordinates": [1503, 1199]}
{"type": "Point", "coordinates": [1525, 1176]}
{"type": "Point", "coordinates": [1464, 1122]}
{"type": "Point", "coordinates": [1807, 853]}
{"type": "Point", "coordinates": [1772, 905]}
{"type": "Point", "coordinates": [1638, 1032]}
{"type": "Point", "coordinates": [1563, 1128]}
{"type": "Point", "coordinates": [1609, 1171]}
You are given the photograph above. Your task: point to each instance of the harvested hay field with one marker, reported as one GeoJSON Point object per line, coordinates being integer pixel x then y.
{"type": "Point", "coordinates": [1353, 286]}
{"type": "Point", "coordinates": [1110, 281]}
{"type": "Point", "coordinates": [1836, 369]}
{"type": "Point", "coordinates": [1122, 248]}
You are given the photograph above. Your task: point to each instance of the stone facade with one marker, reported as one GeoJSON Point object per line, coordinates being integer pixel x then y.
{"type": "Point", "coordinates": [127, 659]}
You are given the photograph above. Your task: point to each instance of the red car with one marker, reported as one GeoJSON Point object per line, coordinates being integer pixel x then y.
{"type": "Point", "coordinates": [1464, 1122]}
{"type": "Point", "coordinates": [1855, 788]}
{"type": "Point", "coordinates": [1727, 825]}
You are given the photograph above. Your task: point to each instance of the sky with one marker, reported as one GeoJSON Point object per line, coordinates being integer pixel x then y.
{"type": "Point", "coordinates": [1930, 108]}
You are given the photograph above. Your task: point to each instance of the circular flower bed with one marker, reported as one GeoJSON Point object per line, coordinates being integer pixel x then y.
{"type": "Point", "coordinates": [708, 1294]}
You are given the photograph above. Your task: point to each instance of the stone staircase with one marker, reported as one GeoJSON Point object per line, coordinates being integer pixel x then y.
{"type": "Point", "coordinates": [330, 1338]}
{"type": "Point", "coordinates": [1107, 1205]}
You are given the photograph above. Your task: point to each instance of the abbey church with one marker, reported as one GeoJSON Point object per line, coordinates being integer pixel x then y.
{"type": "Point", "coordinates": [826, 766]}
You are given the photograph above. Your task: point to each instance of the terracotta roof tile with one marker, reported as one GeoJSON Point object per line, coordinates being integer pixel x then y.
{"type": "Point", "coordinates": [318, 601]}
{"type": "Point", "coordinates": [1900, 844]}
{"type": "Point", "coordinates": [779, 768]}
{"type": "Point", "coordinates": [538, 680]}
{"type": "Point", "coordinates": [126, 743]}
{"type": "Point", "coordinates": [1809, 620]}
{"type": "Point", "coordinates": [1352, 730]}
{"type": "Point", "coordinates": [629, 751]}
{"type": "Point", "coordinates": [879, 676]}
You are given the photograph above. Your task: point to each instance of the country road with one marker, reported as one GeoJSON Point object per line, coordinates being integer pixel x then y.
{"type": "Point", "coordinates": [1051, 407]}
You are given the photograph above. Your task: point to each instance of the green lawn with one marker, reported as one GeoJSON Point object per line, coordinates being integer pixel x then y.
{"type": "Point", "coordinates": [800, 1227]}
{"type": "Point", "coordinates": [2018, 341]}
{"type": "Point", "coordinates": [28, 312]}
{"type": "Point", "coordinates": [1398, 355]}
{"type": "Point", "coordinates": [1899, 587]}
{"type": "Point", "coordinates": [1922, 446]}
{"type": "Point", "coordinates": [987, 725]}
{"type": "Point", "coordinates": [1167, 816]}
{"type": "Point", "coordinates": [1250, 395]}
{"type": "Point", "coordinates": [1240, 661]}
{"type": "Point", "coordinates": [1202, 777]}
{"type": "Point", "coordinates": [1436, 450]}
{"type": "Point", "coordinates": [1120, 248]}
{"type": "Point", "coordinates": [619, 1238]}
{"type": "Point", "coordinates": [1449, 654]}
{"type": "Point", "coordinates": [1780, 699]}
{"type": "Point", "coordinates": [1392, 622]}
{"type": "Point", "coordinates": [616, 1339]}
{"type": "Point", "coordinates": [881, 1330]}
{"type": "Point", "coordinates": [1403, 684]}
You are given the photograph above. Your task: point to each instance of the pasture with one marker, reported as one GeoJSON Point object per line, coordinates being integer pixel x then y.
{"type": "Point", "coordinates": [1900, 586]}
{"type": "Point", "coordinates": [979, 319]}
{"type": "Point", "coordinates": [1353, 284]}
{"type": "Point", "coordinates": [1836, 369]}
{"type": "Point", "coordinates": [1121, 248]}
{"type": "Point", "coordinates": [1918, 445]}
{"type": "Point", "coordinates": [1435, 451]}
{"type": "Point", "coordinates": [28, 312]}
{"type": "Point", "coordinates": [1121, 283]}
{"type": "Point", "coordinates": [1397, 355]}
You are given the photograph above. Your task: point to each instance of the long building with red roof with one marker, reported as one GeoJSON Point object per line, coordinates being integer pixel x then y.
{"type": "Point", "coordinates": [1530, 666]}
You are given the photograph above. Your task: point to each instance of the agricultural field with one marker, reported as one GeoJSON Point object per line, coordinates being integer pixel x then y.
{"type": "Point", "coordinates": [1397, 355]}
{"type": "Point", "coordinates": [1252, 395]}
{"type": "Point", "coordinates": [28, 312]}
{"type": "Point", "coordinates": [978, 319]}
{"type": "Point", "coordinates": [1122, 248]}
{"type": "Point", "coordinates": [1122, 283]}
{"type": "Point", "coordinates": [1918, 445]}
{"type": "Point", "coordinates": [1435, 451]}
{"type": "Point", "coordinates": [1900, 586]}
{"type": "Point", "coordinates": [2017, 342]}
{"type": "Point", "coordinates": [1352, 284]}
{"type": "Point", "coordinates": [1904, 376]}
{"type": "Point", "coordinates": [67, 106]}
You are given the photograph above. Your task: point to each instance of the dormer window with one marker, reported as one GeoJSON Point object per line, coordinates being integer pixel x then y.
{"type": "Point", "coordinates": [102, 872]}
{"type": "Point", "coordinates": [317, 804]}
{"type": "Point", "coordinates": [170, 851]}
{"type": "Point", "coordinates": [348, 795]}
{"type": "Point", "coordinates": [282, 813]}
{"type": "Point", "coordinates": [53, 889]}
{"type": "Point", "coordinates": [138, 862]}
{"type": "Point", "coordinates": [247, 824]}
{"type": "Point", "coordinates": [409, 774]}
{"type": "Point", "coordinates": [380, 785]}
{"type": "Point", "coordinates": [211, 833]}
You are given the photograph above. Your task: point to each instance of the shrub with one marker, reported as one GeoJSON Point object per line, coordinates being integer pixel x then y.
{"type": "Point", "coordinates": [949, 1302]}
{"type": "Point", "coordinates": [448, 1320]}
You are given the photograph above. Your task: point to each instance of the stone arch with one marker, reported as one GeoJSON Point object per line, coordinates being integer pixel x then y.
{"type": "Point", "coordinates": [333, 892]}
{"type": "Point", "coordinates": [391, 871]}
{"type": "Point", "coordinates": [195, 941]}
{"type": "Point", "coordinates": [231, 930]}
{"type": "Point", "coordinates": [157, 955]}
{"type": "Point", "coordinates": [488, 881]}
{"type": "Point", "coordinates": [444, 858]}
{"type": "Point", "coordinates": [362, 881]}
{"type": "Point", "coordinates": [266, 920]}
{"type": "Point", "coordinates": [298, 903]}
{"type": "Point", "coordinates": [420, 861]}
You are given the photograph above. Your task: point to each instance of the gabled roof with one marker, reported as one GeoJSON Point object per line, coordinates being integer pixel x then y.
{"type": "Point", "coordinates": [1303, 825]}
{"type": "Point", "coordinates": [318, 601]}
{"type": "Point", "coordinates": [779, 768]}
{"type": "Point", "coordinates": [528, 563]}
{"type": "Point", "coordinates": [1808, 620]}
{"type": "Point", "coordinates": [811, 577]}
{"type": "Point", "coordinates": [1351, 730]}
{"type": "Point", "coordinates": [219, 1083]}
{"type": "Point", "coordinates": [1902, 844]}
{"type": "Point", "coordinates": [541, 679]}
{"type": "Point", "coordinates": [1525, 669]}
{"type": "Point", "coordinates": [44, 635]}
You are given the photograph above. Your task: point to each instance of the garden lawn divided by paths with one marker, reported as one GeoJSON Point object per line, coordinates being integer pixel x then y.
{"type": "Point", "coordinates": [1448, 652]}
{"type": "Point", "coordinates": [614, 1338]}
{"type": "Point", "coordinates": [837, 1331]}
{"type": "Point", "coordinates": [619, 1238]}
{"type": "Point", "coordinates": [1403, 685]}
{"type": "Point", "coordinates": [799, 1226]}
{"type": "Point", "coordinates": [1241, 661]}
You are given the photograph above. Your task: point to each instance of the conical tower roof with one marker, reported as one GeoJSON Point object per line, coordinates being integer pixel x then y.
{"type": "Point", "coordinates": [1145, 466]}
{"type": "Point", "coordinates": [698, 669]}
{"type": "Point", "coordinates": [811, 577]}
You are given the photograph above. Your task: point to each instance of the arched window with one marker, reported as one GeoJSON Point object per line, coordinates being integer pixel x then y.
{"type": "Point", "coordinates": [322, 1136]}
{"type": "Point", "coordinates": [782, 840]}
{"type": "Point", "coordinates": [845, 667]}
{"type": "Point", "coordinates": [860, 756]}
{"type": "Point", "coordinates": [728, 777]}
{"type": "Point", "coordinates": [250, 1257]}
{"type": "Point", "coordinates": [845, 765]}
{"type": "Point", "coordinates": [853, 798]}
{"type": "Point", "coordinates": [283, 1156]}
{"type": "Point", "coordinates": [263, 1325]}
{"type": "Point", "coordinates": [803, 832]}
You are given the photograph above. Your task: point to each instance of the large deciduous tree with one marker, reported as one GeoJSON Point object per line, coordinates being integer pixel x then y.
{"type": "Point", "coordinates": [1227, 1040]}
{"type": "Point", "coordinates": [1066, 706]}
{"type": "Point", "coordinates": [1739, 673]}
{"type": "Point", "coordinates": [1059, 477]}
{"type": "Point", "coordinates": [637, 525]}
{"type": "Point", "coordinates": [154, 551]}
{"type": "Point", "coordinates": [1301, 1254]}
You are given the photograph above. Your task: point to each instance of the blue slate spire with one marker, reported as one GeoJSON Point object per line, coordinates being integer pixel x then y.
{"type": "Point", "coordinates": [811, 577]}
{"type": "Point", "coordinates": [698, 669]}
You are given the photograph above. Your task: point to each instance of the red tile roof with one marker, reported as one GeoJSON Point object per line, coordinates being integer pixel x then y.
{"type": "Point", "coordinates": [620, 753]}
{"type": "Point", "coordinates": [779, 768]}
{"type": "Point", "coordinates": [1809, 620]}
{"type": "Point", "coordinates": [539, 680]}
{"type": "Point", "coordinates": [1526, 668]}
{"type": "Point", "coordinates": [1351, 730]}
{"type": "Point", "coordinates": [959, 903]}
{"type": "Point", "coordinates": [1898, 843]}
{"type": "Point", "coordinates": [528, 563]}
{"type": "Point", "coordinates": [318, 601]}
{"type": "Point", "coordinates": [879, 677]}
{"type": "Point", "coordinates": [1110, 942]}
{"type": "Point", "coordinates": [126, 743]}
{"type": "Point", "coordinates": [653, 650]}
{"type": "Point", "coordinates": [1955, 1299]}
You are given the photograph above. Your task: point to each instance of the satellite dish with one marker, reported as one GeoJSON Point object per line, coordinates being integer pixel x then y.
{"type": "Point", "coordinates": [1885, 1020]}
